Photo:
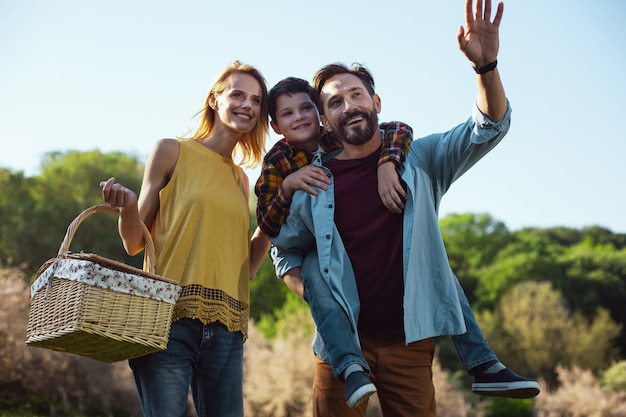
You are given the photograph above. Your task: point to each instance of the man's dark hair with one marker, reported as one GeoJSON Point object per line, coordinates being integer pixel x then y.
{"type": "Point", "coordinates": [290, 86]}
{"type": "Point", "coordinates": [330, 70]}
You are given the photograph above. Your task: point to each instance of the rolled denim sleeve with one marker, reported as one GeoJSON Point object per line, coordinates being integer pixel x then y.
{"type": "Point", "coordinates": [285, 261]}
{"type": "Point", "coordinates": [486, 129]}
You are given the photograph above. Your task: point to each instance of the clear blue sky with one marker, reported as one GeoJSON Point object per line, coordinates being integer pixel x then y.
{"type": "Point", "coordinates": [118, 75]}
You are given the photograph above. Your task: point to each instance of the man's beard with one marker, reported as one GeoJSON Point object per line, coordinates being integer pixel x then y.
{"type": "Point", "coordinates": [357, 136]}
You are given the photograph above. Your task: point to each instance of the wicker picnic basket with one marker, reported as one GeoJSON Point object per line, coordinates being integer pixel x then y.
{"type": "Point", "coordinates": [92, 306]}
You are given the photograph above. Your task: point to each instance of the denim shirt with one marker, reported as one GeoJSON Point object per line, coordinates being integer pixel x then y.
{"type": "Point", "coordinates": [431, 303]}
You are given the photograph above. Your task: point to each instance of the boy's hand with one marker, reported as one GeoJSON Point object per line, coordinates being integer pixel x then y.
{"type": "Point", "coordinates": [390, 189]}
{"type": "Point", "coordinates": [304, 179]}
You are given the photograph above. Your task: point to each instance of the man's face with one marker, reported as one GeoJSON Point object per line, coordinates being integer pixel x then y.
{"type": "Point", "coordinates": [350, 112]}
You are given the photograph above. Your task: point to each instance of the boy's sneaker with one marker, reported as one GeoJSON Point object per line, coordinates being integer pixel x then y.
{"type": "Point", "coordinates": [359, 387]}
{"type": "Point", "coordinates": [505, 383]}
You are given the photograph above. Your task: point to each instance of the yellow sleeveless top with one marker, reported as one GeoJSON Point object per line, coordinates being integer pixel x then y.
{"type": "Point", "coordinates": [201, 237]}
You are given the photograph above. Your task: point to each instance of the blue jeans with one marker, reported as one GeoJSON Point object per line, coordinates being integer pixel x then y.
{"type": "Point", "coordinates": [340, 339]}
{"type": "Point", "coordinates": [206, 356]}
{"type": "Point", "coordinates": [471, 346]}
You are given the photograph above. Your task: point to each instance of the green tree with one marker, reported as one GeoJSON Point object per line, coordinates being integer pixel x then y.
{"type": "Point", "coordinates": [526, 258]}
{"type": "Point", "coordinates": [267, 293]}
{"type": "Point", "coordinates": [68, 184]}
{"type": "Point", "coordinates": [472, 242]}
{"type": "Point", "coordinates": [293, 313]}
{"type": "Point", "coordinates": [16, 209]}
{"type": "Point", "coordinates": [596, 276]}
{"type": "Point", "coordinates": [566, 236]}
{"type": "Point", "coordinates": [533, 330]}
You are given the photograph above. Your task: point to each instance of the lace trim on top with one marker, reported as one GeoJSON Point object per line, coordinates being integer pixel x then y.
{"type": "Point", "coordinates": [210, 305]}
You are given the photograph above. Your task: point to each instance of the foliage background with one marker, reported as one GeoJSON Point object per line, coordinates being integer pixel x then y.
{"type": "Point", "coordinates": [550, 302]}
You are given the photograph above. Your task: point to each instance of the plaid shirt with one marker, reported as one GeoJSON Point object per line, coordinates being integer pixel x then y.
{"type": "Point", "coordinates": [283, 159]}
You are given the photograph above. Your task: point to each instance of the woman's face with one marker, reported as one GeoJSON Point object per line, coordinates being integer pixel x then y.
{"type": "Point", "coordinates": [238, 107]}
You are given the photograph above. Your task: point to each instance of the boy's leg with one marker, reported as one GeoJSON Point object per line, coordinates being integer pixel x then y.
{"type": "Point", "coordinates": [332, 322]}
{"type": "Point", "coordinates": [490, 376]}
{"type": "Point", "coordinates": [472, 348]}
{"type": "Point", "coordinates": [337, 333]}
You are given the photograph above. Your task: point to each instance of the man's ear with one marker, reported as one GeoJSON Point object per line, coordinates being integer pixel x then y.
{"type": "Point", "coordinates": [325, 123]}
{"type": "Point", "coordinates": [376, 99]}
{"type": "Point", "coordinates": [275, 127]}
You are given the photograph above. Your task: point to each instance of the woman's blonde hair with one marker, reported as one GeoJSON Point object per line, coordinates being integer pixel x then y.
{"type": "Point", "coordinates": [252, 143]}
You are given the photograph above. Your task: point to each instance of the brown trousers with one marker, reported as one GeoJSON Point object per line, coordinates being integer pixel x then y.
{"type": "Point", "coordinates": [402, 375]}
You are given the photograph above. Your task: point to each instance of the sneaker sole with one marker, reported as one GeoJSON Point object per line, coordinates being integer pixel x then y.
{"type": "Point", "coordinates": [517, 389]}
{"type": "Point", "coordinates": [361, 394]}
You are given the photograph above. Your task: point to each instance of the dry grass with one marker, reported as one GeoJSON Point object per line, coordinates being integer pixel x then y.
{"type": "Point", "coordinates": [277, 382]}
{"type": "Point", "coordinates": [580, 395]}
{"type": "Point", "coordinates": [66, 383]}
{"type": "Point", "coordinates": [452, 401]}
{"type": "Point", "coordinates": [279, 376]}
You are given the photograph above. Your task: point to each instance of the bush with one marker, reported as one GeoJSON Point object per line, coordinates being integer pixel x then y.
{"type": "Point", "coordinates": [615, 377]}
{"type": "Point", "coordinates": [277, 381]}
{"type": "Point", "coordinates": [41, 381]}
{"type": "Point", "coordinates": [533, 330]}
{"type": "Point", "coordinates": [294, 313]}
{"type": "Point", "coordinates": [279, 372]}
{"type": "Point", "coordinates": [278, 375]}
{"type": "Point", "coordinates": [510, 407]}
{"type": "Point", "coordinates": [580, 395]}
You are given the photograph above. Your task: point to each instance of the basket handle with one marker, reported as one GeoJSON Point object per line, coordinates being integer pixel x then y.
{"type": "Point", "coordinates": [71, 230]}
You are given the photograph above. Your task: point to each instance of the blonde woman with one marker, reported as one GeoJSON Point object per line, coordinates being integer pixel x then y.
{"type": "Point", "coordinates": [194, 199]}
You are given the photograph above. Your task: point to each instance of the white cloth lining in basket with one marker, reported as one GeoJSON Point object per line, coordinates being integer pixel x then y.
{"type": "Point", "coordinates": [99, 276]}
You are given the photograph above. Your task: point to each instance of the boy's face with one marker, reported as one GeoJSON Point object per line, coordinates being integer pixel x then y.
{"type": "Point", "coordinates": [298, 120]}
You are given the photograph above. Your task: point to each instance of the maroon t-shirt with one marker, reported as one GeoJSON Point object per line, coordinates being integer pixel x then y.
{"type": "Point", "coordinates": [372, 236]}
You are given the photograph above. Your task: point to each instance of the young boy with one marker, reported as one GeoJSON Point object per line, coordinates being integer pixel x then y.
{"type": "Point", "coordinates": [294, 114]}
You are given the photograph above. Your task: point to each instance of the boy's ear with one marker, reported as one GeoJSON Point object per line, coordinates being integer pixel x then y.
{"type": "Point", "coordinates": [275, 127]}
{"type": "Point", "coordinates": [325, 123]}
